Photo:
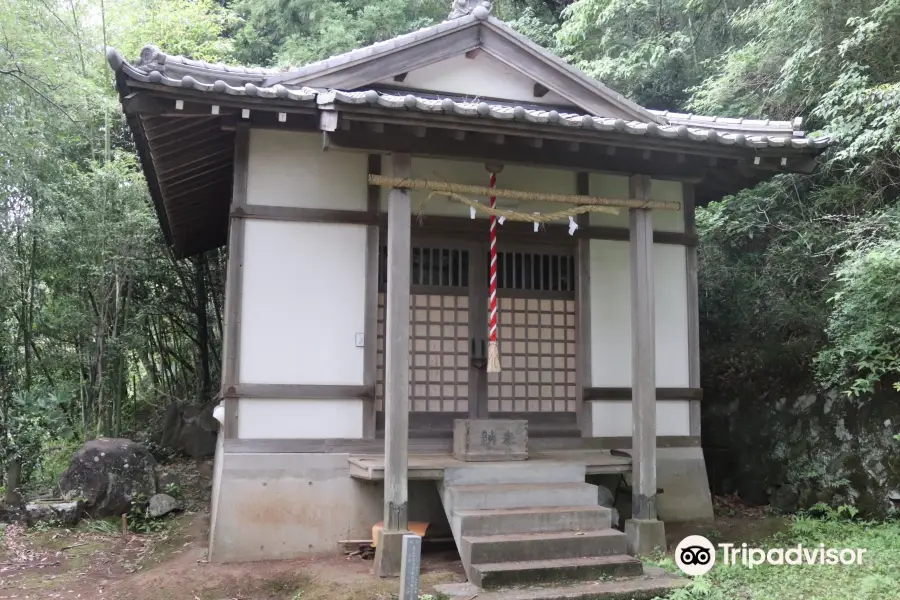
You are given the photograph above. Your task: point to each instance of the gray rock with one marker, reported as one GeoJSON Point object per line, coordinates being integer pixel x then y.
{"type": "Point", "coordinates": [162, 504]}
{"type": "Point", "coordinates": [106, 474]}
{"type": "Point", "coordinates": [604, 496]}
{"type": "Point", "coordinates": [785, 499]}
{"type": "Point", "coordinates": [190, 429]}
{"type": "Point", "coordinates": [64, 513]}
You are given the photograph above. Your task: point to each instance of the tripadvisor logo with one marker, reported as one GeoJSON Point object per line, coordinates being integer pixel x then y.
{"type": "Point", "coordinates": [696, 555]}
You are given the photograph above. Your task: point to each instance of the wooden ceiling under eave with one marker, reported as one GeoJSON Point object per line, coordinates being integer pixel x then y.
{"type": "Point", "coordinates": [189, 163]}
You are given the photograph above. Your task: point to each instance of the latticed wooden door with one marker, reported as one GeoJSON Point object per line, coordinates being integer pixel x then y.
{"type": "Point", "coordinates": [440, 327]}
{"type": "Point", "coordinates": [537, 329]}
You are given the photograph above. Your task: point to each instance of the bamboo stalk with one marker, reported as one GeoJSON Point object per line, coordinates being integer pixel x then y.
{"type": "Point", "coordinates": [478, 190]}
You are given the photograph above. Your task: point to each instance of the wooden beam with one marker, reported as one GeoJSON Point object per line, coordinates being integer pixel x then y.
{"type": "Point", "coordinates": [540, 90]}
{"type": "Point", "coordinates": [693, 307]}
{"type": "Point", "coordinates": [471, 54]}
{"type": "Point", "coordinates": [396, 384]}
{"type": "Point", "coordinates": [643, 353]}
{"type": "Point", "coordinates": [583, 315]}
{"type": "Point", "coordinates": [306, 215]}
{"type": "Point", "coordinates": [280, 391]}
{"type": "Point", "coordinates": [439, 446]}
{"type": "Point", "coordinates": [516, 150]}
{"type": "Point", "coordinates": [615, 394]}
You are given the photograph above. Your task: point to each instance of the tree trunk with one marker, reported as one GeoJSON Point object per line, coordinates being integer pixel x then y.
{"type": "Point", "coordinates": [13, 480]}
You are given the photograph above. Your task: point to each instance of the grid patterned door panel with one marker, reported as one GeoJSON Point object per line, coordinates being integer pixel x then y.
{"type": "Point", "coordinates": [439, 331]}
{"type": "Point", "coordinates": [536, 334]}
{"type": "Point", "coordinates": [537, 357]}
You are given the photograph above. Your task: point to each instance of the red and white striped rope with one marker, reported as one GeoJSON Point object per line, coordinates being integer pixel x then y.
{"type": "Point", "coordinates": [492, 328]}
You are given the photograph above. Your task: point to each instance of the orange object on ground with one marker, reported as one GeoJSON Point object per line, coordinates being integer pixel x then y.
{"type": "Point", "coordinates": [415, 527]}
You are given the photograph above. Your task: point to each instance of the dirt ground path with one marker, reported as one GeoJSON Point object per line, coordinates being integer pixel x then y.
{"type": "Point", "coordinates": [96, 562]}
{"type": "Point", "coordinates": [65, 564]}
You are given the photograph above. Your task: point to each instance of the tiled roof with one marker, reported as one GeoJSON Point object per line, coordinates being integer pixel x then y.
{"type": "Point", "coordinates": [154, 67]}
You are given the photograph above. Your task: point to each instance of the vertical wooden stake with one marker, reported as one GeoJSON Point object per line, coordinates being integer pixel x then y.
{"type": "Point", "coordinates": [643, 354]}
{"type": "Point", "coordinates": [124, 525]}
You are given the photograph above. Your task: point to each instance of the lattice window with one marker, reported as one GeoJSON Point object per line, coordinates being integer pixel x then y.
{"type": "Point", "coordinates": [439, 353]}
{"type": "Point", "coordinates": [537, 357]}
{"type": "Point", "coordinates": [529, 271]}
{"type": "Point", "coordinates": [433, 267]}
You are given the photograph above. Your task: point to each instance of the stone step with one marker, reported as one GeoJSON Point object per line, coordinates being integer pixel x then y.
{"type": "Point", "coordinates": [541, 546]}
{"type": "Point", "coordinates": [529, 471]}
{"type": "Point", "coordinates": [566, 570]}
{"type": "Point", "coordinates": [531, 520]}
{"type": "Point", "coordinates": [531, 495]}
{"type": "Point", "coordinates": [654, 583]}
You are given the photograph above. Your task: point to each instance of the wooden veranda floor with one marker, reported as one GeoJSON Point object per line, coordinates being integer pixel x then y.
{"type": "Point", "coordinates": [370, 467]}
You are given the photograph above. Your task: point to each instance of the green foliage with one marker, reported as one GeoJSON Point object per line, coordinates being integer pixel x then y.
{"type": "Point", "coordinates": [820, 510]}
{"type": "Point", "coordinates": [878, 577]}
{"type": "Point", "coordinates": [140, 521]}
{"type": "Point", "coordinates": [653, 52]}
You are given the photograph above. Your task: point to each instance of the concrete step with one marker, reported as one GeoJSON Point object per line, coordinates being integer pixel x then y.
{"type": "Point", "coordinates": [529, 471]}
{"type": "Point", "coordinates": [531, 520]}
{"type": "Point", "coordinates": [495, 575]}
{"type": "Point", "coordinates": [477, 550]}
{"type": "Point", "coordinates": [531, 495]}
{"type": "Point", "coordinates": [654, 583]}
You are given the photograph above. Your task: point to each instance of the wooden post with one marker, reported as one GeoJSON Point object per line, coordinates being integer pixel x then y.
{"type": "Point", "coordinates": [693, 316]}
{"type": "Point", "coordinates": [583, 316]}
{"type": "Point", "coordinates": [396, 384]}
{"type": "Point", "coordinates": [231, 346]}
{"type": "Point", "coordinates": [643, 354]}
{"type": "Point", "coordinates": [478, 324]}
{"type": "Point", "coordinates": [370, 349]}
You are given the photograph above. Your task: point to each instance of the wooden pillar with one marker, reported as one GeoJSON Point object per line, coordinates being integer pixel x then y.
{"type": "Point", "coordinates": [693, 316]}
{"type": "Point", "coordinates": [231, 344]}
{"type": "Point", "coordinates": [583, 316]}
{"type": "Point", "coordinates": [370, 348]}
{"type": "Point", "coordinates": [396, 397]}
{"type": "Point", "coordinates": [478, 326]}
{"type": "Point", "coordinates": [643, 354]}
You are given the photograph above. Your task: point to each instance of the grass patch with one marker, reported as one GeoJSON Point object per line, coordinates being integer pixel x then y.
{"type": "Point", "coordinates": [878, 578]}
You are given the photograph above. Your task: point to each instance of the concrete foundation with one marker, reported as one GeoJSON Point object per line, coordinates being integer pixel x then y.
{"type": "Point", "coordinates": [645, 536]}
{"type": "Point", "coordinates": [277, 506]}
{"type": "Point", "coordinates": [389, 553]}
{"type": "Point", "coordinates": [681, 473]}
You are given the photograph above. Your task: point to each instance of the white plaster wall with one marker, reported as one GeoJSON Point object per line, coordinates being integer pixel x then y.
{"type": "Point", "coordinates": [291, 169]}
{"type": "Point", "coordinates": [612, 418]}
{"type": "Point", "coordinates": [303, 302]}
{"type": "Point", "coordinates": [300, 419]}
{"type": "Point", "coordinates": [616, 186]}
{"type": "Point", "coordinates": [518, 177]}
{"type": "Point", "coordinates": [611, 314]}
{"type": "Point", "coordinates": [481, 77]}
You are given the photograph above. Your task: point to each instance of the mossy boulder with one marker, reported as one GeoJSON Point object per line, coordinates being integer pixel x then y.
{"type": "Point", "coordinates": [107, 474]}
